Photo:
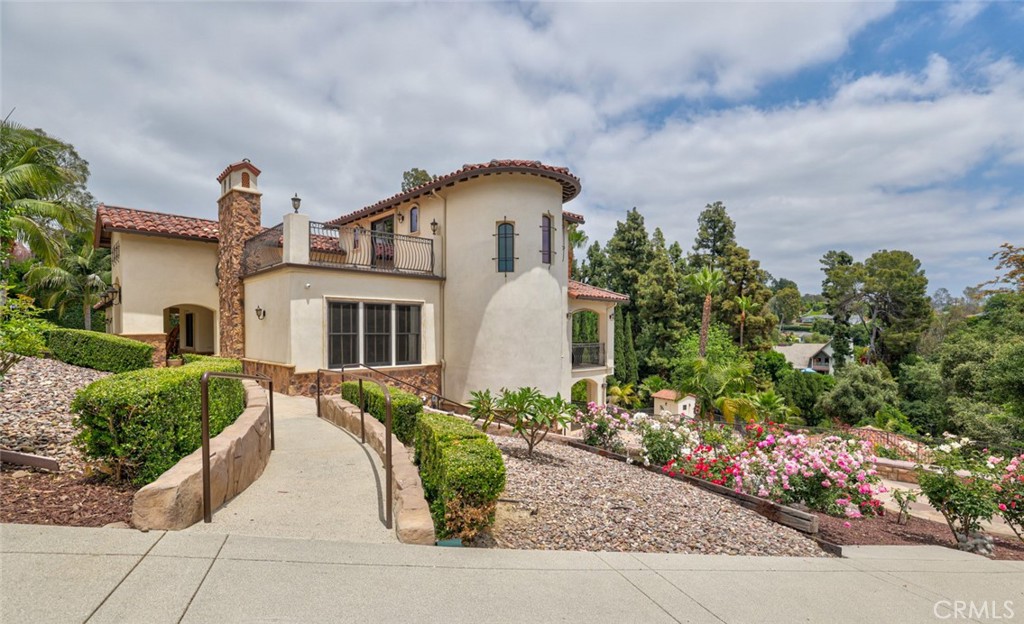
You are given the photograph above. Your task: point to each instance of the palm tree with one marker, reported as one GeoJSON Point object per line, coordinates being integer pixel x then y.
{"type": "Point", "coordinates": [80, 275]}
{"type": "Point", "coordinates": [624, 396]}
{"type": "Point", "coordinates": [577, 240]}
{"type": "Point", "coordinates": [771, 406]}
{"type": "Point", "coordinates": [717, 385]}
{"type": "Point", "coordinates": [35, 192]}
{"type": "Point", "coordinates": [745, 304]}
{"type": "Point", "coordinates": [707, 282]}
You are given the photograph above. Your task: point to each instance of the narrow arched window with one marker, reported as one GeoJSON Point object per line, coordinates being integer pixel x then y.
{"type": "Point", "coordinates": [414, 219]}
{"type": "Point", "coordinates": [545, 239]}
{"type": "Point", "coordinates": [506, 248]}
{"type": "Point", "coordinates": [245, 179]}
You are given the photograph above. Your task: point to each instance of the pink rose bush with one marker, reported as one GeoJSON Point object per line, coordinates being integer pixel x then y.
{"type": "Point", "coordinates": [1008, 489]}
{"type": "Point", "coordinates": [601, 426]}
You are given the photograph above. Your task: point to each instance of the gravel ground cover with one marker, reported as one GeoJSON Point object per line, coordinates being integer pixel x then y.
{"type": "Point", "coordinates": [568, 499]}
{"type": "Point", "coordinates": [34, 418]}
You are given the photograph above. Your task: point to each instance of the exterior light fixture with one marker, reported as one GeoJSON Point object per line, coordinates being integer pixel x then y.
{"type": "Point", "coordinates": [434, 225]}
{"type": "Point", "coordinates": [260, 313]}
{"type": "Point", "coordinates": [295, 203]}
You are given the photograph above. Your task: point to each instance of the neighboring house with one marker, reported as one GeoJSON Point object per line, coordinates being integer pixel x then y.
{"type": "Point", "coordinates": [810, 318]}
{"type": "Point", "coordinates": [675, 403]}
{"type": "Point", "coordinates": [456, 285]}
{"type": "Point", "coordinates": [809, 356]}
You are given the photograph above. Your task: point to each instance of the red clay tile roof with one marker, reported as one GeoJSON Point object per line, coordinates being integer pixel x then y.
{"type": "Point", "coordinates": [570, 184]}
{"type": "Point", "coordinates": [572, 217]}
{"type": "Point", "coordinates": [116, 219]}
{"type": "Point", "coordinates": [668, 395]}
{"type": "Point", "coordinates": [238, 165]}
{"type": "Point", "coordinates": [579, 290]}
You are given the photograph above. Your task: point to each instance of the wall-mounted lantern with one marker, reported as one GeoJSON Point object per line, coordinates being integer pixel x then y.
{"type": "Point", "coordinates": [260, 313]}
{"type": "Point", "coordinates": [295, 203]}
{"type": "Point", "coordinates": [434, 226]}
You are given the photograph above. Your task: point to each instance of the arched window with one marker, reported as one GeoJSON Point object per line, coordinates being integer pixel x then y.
{"type": "Point", "coordinates": [545, 239]}
{"type": "Point", "coordinates": [414, 219]}
{"type": "Point", "coordinates": [245, 179]}
{"type": "Point", "coordinates": [506, 248]}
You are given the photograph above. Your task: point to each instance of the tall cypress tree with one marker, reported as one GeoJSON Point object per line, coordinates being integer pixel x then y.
{"type": "Point", "coordinates": [629, 255]}
{"type": "Point", "coordinates": [659, 311]}
{"type": "Point", "coordinates": [631, 374]}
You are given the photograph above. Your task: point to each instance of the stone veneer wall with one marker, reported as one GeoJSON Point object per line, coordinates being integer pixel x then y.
{"type": "Point", "coordinates": [426, 377]}
{"type": "Point", "coordinates": [238, 456]}
{"type": "Point", "coordinates": [238, 217]}
{"type": "Point", "coordinates": [159, 342]}
{"type": "Point", "coordinates": [280, 374]}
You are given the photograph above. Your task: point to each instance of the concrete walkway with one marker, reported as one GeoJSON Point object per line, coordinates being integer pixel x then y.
{"type": "Point", "coordinates": [923, 509]}
{"type": "Point", "coordinates": [64, 574]}
{"type": "Point", "coordinates": [321, 483]}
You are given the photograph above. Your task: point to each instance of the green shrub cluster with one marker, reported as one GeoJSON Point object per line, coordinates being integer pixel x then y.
{"type": "Point", "coordinates": [406, 408]}
{"type": "Point", "coordinates": [142, 422]}
{"type": "Point", "coordinates": [97, 350]}
{"type": "Point", "coordinates": [462, 473]}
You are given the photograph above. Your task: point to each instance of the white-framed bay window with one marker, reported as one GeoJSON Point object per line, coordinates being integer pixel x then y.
{"type": "Point", "coordinates": [374, 333]}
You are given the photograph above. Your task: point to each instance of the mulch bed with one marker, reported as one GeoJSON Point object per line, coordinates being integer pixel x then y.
{"type": "Point", "coordinates": [883, 530]}
{"type": "Point", "coordinates": [31, 497]}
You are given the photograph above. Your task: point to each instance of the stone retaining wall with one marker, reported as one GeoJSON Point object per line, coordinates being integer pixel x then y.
{"type": "Point", "coordinates": [412, 513]}
{"type": "Point", "coordinates": [237, 458]}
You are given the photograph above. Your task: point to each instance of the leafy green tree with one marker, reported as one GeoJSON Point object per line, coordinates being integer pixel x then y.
{"type": "Point", "coordinates": [786, 304]}
{"type": "Point", "coordinates": [772, 407]}
{"type": "Point", "coordinates": [650, 385]}
{"type": "Point", "coordinates": [802, 391]}
{"type": "Point", "coordinates": [781, 283]}
{"type": "Point", "coordinates": [744, 305]}
{"type": "Point", "coordinates": [577, 240]}
{"type": "Point", "coordinates": [625, 396]}
{"type": "Point", "coordinates": [716, 231]}
{"type": "Point", "coordinates": [770, 367]}
{"type": "Point", "coordinates": [859, 393]}
{"type": "Point", "coordinates": [80, 276]}
{"type": "Point", "coordinates": [21, 332]}
{"type": "Point", "coordinates": [841, 290]}
{"type": "Point", "coordinates": [595, 268]}
{"type": "Point", "coordinates": [895, 291]}
{"type": "Point", "coordinates": [923, 396]}
{"type": "Point", "coordinates": [743, 277]}
{"type": "Point", "coordinates": [629, 253]}
{"type": "Point", "coordinates": [1011, 260]}
{"type": "Point", "coordinates": [706, 282]}
{"type": "Point", "coordinates": [415, 177]}
{"type": "Point", "coordinates": [659, 310]}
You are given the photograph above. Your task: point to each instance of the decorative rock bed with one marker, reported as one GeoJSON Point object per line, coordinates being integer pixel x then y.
{"type": "Point", "coordinates": [569, 499]}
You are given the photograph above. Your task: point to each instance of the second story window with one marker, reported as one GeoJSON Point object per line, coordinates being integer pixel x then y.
{"type": "Point", "coordinates": [506, 248]}
{"type": "Point", "coordinates": [414, 219]}
{"type": "Point", "coordinates": [546, 232]}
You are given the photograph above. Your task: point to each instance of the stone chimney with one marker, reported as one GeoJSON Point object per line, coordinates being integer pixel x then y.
{"type": "Point", "coordinates": [238, 218]}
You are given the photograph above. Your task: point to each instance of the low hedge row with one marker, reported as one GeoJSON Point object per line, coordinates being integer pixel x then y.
{"type": "Point", "coordinates": [462, 472]}
{"type": "Point", "coordinates": [406, 408]}
{"type": "Point", "coordinates": [140, 423]}
{"type": "Point", "coordinates": [97, 350]}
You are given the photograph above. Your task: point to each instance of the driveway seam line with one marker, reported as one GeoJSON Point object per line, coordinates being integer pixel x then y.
{"type": "Point", "coordinates": [203, 580]}
{"type": "Point", "coordinates": [123, 578]}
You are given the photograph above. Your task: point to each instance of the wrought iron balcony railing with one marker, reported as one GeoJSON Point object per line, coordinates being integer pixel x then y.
{"type": "Point", "coordinates": [588, 355]}
{"type": "Point", "coordinates": [369, 249]}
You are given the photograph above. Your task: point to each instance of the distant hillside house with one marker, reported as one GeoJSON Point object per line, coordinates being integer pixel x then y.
{"type": "Point", "coordinates": [674, 403]}
{"type": "Point", "coordinates": [809, 356]}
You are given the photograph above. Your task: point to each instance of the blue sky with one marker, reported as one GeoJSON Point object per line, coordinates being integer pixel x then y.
{"type": "Point", "coordinates": [820, 126]}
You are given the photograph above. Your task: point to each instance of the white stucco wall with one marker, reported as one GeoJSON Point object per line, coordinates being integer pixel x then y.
{"type": "Point", "coordinates": [157, 273]}
{"type": "Point", "coordinates": [294, 331]}
{"type": "Point", "coordinates": [504, 330]}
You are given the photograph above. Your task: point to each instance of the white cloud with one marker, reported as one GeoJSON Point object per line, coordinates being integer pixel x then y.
{"type": "Point", "coordinates": [334, 101]}
{"type": "Point", "coordinates": [962, 12]}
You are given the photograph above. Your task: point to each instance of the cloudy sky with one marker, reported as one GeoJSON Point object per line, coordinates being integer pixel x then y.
{"type": "Point", "coordinates": [820, 126]}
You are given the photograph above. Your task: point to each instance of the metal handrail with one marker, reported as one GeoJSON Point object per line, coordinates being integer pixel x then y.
{"type": "Point", "coordinates": [388, 467]}
{"type": "Point", "coordinates": [204, 384]}
{"type": "Point", "coordinates": [436, 399]}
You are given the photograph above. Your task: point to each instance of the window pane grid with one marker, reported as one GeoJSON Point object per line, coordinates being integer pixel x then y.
{"type": "Point", "coordinates": [407, 335]}
{"type": "Point", "coordinates": [377, 334]}
{"type": "Point", "coordinates": [343, 334]}
{"type": "Point", "coordinates": [506, 248]}
{"type": "Point", "coordinates": [545, 239]}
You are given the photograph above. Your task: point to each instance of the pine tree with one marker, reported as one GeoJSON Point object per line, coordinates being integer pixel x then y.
{"type": "Point", "coordinates": [594, 269]}
{"type": "Point", "coordinates": [744, 277]}
{"type": "Point", "coordinates": [716, 231]}
{"type": "Point", "coordinates": [629, 255]}
{"type": "Point", "coordinates": [659, 311]}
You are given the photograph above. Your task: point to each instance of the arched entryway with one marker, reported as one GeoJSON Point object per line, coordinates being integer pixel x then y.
{"type": "Point", "coordinates": [190, 328]}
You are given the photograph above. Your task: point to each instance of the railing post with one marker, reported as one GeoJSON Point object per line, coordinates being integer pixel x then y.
{"type": "Point", "coordinates": [387, 444]}
{"type": "Point", "coordinates": [362, 414]}
{"type": "Point", "coordinates": [270, 382]}
{"type": "Point", "coordinates": [318, 394]}
{"type": "Point", "coordinates": [204, 384]}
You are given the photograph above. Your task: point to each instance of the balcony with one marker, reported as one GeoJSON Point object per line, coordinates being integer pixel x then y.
{"type": "Point", "coordinates": [588, 355]}
{"type": "Point", "coordinates": [343, 248]}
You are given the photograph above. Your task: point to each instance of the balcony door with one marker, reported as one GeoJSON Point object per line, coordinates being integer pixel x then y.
{"type": "Point", "coordinates": [383, 237]}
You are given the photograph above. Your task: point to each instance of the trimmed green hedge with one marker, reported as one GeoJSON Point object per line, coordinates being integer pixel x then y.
{"type": "Point", "coordinates": [142, 422]}
{"type": "Point", "coordinates": [97, 350]}
{"type": "Point", "coordinates": [462, 472]}
{"type": "Point", "coordinates": [406, 408]}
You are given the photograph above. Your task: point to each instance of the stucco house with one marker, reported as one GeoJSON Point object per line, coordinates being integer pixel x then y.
{"type": "Point", "coordinates": [456, 285]}
{"type": "Point", "coordinates": [675, 403]}
{"type": "Point", "coordinates": [817, 357]}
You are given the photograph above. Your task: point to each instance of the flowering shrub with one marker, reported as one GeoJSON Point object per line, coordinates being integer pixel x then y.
{"type": "Point", "coordinates": [1008, 487]}
{"type": "Point", "coordinates": [601, 425]}
{"type": "Point", "coordinates": [662, 440]}
{"type": "Point", "coordinates": [964, 500]}
{"type": "Point", "coordinates": [832, 475]}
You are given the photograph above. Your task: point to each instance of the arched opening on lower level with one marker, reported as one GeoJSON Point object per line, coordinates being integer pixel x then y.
{"type": "Point", "coordinates": [190, 328]}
